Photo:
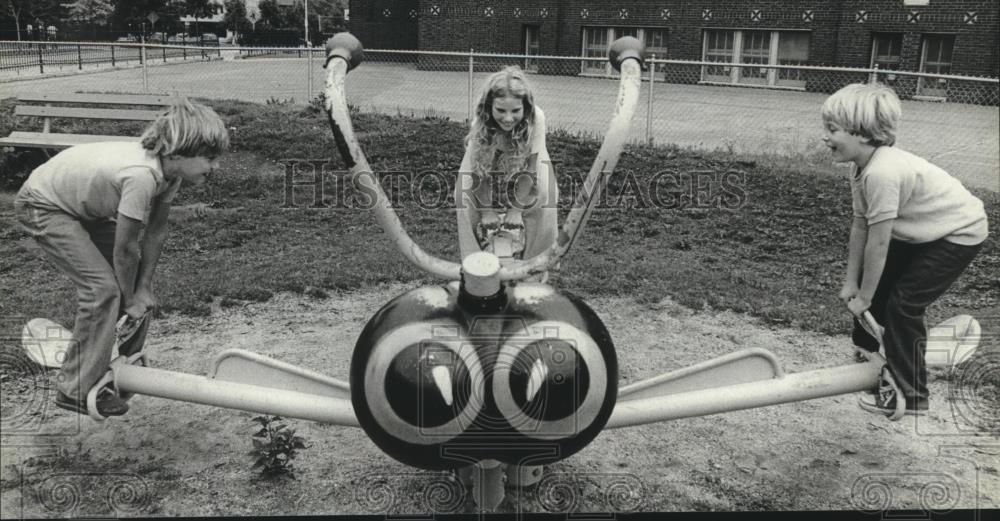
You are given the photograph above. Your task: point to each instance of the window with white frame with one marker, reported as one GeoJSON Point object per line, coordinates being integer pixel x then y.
{"type": "Point", "coordinates": [887, 50]}
{"type": "Point", "coordinates": [595, 45]}
{"type": "Point", "coordinates": [793, 49]}
{"type": "Point", "coordinates": [747, 53]}
{"type": "Point", "coordinates": [935, 58]}
{"type": "Point", "coordinates": [531, 47]}
{"type": "Point", "coordinates": [756, 49]}
{"type": "Point", "coordinates": [719, 46]}
{"type": "Point", "coordinates": [596, 40]}
{"type": "Point", "coordinates": [656, 46]}
{"type": "Point", "coordinates": [656, 42]}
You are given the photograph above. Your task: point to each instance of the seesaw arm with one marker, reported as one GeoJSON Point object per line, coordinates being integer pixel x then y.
{"type": "Point", "coordinates": [240, 380]}
{"type": "Point", "coordinates": [749, 378]}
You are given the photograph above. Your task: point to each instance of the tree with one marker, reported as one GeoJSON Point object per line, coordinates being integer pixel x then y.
{"type": "Point", "coordinates": [84, 12]}
{"type": "Point", "coordinates": [132, 14]}
{"type": "Point", "coordinates": [30, 11]}
{"type": "Point", "coordinates": [199, 9]}
{"type": "Point", "coordinates": [325, 16]}
{"type": "Point", "coordinates": [235, 17]}
{"type": "Point", "coordinates": [271, 14]}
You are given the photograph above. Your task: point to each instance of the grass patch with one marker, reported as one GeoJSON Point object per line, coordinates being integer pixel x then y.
{"type": "Point", "coordinates": [761, 235]}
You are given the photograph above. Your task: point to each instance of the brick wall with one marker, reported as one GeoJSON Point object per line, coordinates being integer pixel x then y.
{"type": "Point", "coordinates": [686, 21]}
{"type": "Point", "coordinates": [384, 24]}
{"type": "Point", "coordinates": [974, 24]}
{"type": "Point", "coordinates": [487, 26]}
{"type": "Point", "coordinates": [839, 35]}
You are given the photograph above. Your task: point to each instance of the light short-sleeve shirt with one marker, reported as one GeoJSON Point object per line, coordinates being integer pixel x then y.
{"type": "Point", "coordinates": [97, 181]}
{"type": "Point", "coordinates": [926, 202]}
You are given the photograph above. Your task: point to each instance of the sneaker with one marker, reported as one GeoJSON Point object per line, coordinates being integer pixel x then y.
{"type": "Point", "coordinates": [888, 408]}
{"type": "Point", "coordinates": [883, 401]}
{"type": "Point", "coordinates": [108, 403]}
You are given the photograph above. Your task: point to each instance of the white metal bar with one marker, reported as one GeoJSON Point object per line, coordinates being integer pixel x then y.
{"type": "Point", "coordinates": [472, 70]}
{"type": "Point", "coordinates": [792, 388]}
{"type": "Point", "coordinates": [649, 105]}
{"type": "Point", "coordinates": [232, 395]}
{"type": "Point", "coordinates": [145, 69]}
{"type": "Point", "coordinates": [309, 70]}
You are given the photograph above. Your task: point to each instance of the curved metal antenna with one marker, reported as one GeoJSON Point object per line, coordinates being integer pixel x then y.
{"type": "Point", "coordinates": [362, 175]}
{"type": "Point", "coordinates": [625, 54]}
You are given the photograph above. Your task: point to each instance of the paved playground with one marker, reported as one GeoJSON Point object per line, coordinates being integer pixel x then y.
{"type": "Point", "coordinates": [961, 138]}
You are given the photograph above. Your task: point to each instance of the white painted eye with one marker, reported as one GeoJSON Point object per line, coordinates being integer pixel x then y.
{"type": "Point", "coordinates": [424, 382]}
{"type": "Point", "coordinates": [550, 383]}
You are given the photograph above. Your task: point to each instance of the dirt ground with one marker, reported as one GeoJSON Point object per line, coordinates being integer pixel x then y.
{"type": "Point", "coordinates": [167, 458]}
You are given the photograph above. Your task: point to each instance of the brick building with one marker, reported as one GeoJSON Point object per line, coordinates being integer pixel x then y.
{"type": "Point", "coordinates": [934, 36]}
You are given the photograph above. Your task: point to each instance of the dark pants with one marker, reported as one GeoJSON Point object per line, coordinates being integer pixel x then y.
{"type": "Point", "coordinates": [915, 275]}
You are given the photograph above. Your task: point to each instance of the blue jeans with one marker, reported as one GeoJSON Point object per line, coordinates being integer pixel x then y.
{"type": "Point", "coordinates": [915, 275]}
{"type": "Point", "coordinates": [83, 251]}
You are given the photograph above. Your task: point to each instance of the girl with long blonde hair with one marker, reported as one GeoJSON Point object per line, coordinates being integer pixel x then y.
{"type": "Point", "coordinates": [506, 184]}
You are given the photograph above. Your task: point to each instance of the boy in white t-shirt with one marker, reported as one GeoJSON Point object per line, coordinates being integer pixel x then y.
{"type": "Point", "coordinates": [99, 212]}
{"type": "Point", "coordinates": [915, 230]}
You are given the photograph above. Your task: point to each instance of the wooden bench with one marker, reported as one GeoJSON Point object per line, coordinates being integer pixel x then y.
{"type": "Point", "coordinates": [55, 106]}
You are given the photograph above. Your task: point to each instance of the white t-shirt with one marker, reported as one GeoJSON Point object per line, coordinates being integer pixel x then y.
{"type": "Point", "coordinates": [100, 180]}
{"type": "Point", "coordinates": [926, 203]}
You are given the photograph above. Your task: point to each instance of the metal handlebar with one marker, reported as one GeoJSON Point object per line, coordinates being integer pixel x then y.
{"type": "Point", "coordinates": [872, 326]}
{"type": "Point", "coordinates": [625, 55]}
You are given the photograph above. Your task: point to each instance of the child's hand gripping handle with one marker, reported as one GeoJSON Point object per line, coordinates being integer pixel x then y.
{"type": "Point", "coordinates": [127, 327]}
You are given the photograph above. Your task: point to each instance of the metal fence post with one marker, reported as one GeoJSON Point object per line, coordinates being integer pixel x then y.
{"type": "Point", "coordinates": [471, 70]}
{"type": "Point", "coordinates": [112, 55]}
{"type": "Point", "coordinates": [873, 77]}
{"type": "Point", "coordinates": [79, 57]}
{"type": "Point", "coordinates": [649, 106]}
{"type": "Point", "coordinates": [164, 49]}
{"type": "Point", "coordinates": [41, 61]}
{"type": "Point", "coordinates": [309, 76]}
{"type": "Point", "coordinates": [145, 66]}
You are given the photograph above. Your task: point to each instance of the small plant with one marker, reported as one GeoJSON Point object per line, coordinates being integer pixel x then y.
{"type": "Point", "coordinates": [317, 105]}
{"type": "Point", "coordinates": [271, 100]}
{"type": "Point", "coordinates": [274, 447]}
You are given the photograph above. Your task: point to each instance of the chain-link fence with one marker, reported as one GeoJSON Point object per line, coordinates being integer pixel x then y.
{"type": "Point", "coordinates": [744, 108]}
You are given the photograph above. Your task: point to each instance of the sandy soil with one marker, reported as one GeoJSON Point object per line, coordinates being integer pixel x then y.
{"type": "Point", "coordinates": [169, 458]}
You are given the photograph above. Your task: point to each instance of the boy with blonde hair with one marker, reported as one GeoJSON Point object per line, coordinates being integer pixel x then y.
{"type": "Point", "coordinates": [99, 212]}
{"type": "Point", "coordinates": [915, 230]}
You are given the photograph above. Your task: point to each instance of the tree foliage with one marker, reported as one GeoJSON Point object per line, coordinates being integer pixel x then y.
{"type": "Point", "coordinates": [24, 12]}
{"type": "Point", "coordinates": [323, 14]}
{"type": "Point", "coordinates": [132, 14]}
{"type": "Point", "coordinates": [271, 14]}
{"type": "Point", "coordinates": [235, 17]}
{"type": "Point", "coordinates": [97, 12]}
{"type": "Point", "coordinates": [200, 8]}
